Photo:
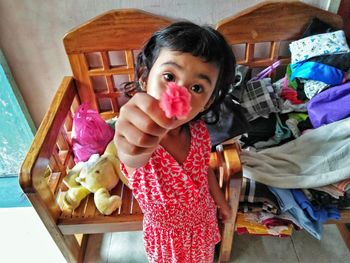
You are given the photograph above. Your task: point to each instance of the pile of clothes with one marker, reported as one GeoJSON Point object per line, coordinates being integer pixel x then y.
{"type": "Point", "coordinates": [298, 143]}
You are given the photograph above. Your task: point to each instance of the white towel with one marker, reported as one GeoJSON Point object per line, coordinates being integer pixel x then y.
{"type": "Point", "coordinates": [317, 158]}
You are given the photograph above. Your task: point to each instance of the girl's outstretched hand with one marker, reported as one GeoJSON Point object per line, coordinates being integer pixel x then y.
{"type": "Point", "coordinates": [140, 127]}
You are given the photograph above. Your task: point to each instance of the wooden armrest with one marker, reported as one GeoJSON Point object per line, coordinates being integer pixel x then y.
{"type": "Point", "coordinates": [37, 159]}
{"type": "Point", "coordinates": [227, 157]}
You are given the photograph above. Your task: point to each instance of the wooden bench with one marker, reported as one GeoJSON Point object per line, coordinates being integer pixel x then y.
{"type": "Point", "coordinates": [102, 52]}
{"type": "Point", "coordinates": [268, 28]}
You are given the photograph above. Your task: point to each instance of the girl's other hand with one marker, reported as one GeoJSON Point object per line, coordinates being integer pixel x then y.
{"type": "Point", "coordinates": [140, 127]}
{"type": "Point", "coordinates": [225, 213]}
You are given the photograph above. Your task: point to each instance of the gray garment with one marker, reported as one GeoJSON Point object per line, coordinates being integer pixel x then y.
{"type": "Point", "coordinates": [317, 158]}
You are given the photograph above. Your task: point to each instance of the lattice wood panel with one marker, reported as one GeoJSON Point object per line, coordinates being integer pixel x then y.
{"type": "Point", "coordinates": [102, 54]}
{"type": "Point", "coordinates": [108, 71]}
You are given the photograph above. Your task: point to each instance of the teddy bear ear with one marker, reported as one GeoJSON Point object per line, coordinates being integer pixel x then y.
{"type": "Point", "coordinates": [77, 168]}
{"type": "Point", "coordinates": [80, 179]}
{"type": "Point", "coordinates": [83, 173]}
{"type": "Point", "coordinates": [70, 179]}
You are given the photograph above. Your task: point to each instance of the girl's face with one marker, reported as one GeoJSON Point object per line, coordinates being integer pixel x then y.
{"type": "Point", "coordinates": [186, 70]}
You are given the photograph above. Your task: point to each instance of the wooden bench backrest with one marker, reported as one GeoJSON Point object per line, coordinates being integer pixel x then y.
{"type": "Point", "coordinates": [117, 32]}
{"type": "Point", "coordinates": [271, 25]}
{"type": "Point", "coordinates": [102, 54]}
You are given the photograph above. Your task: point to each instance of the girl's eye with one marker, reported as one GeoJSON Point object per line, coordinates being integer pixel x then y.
{"type": "Point", "coordinates": [197, 88]}
{"type": "Point", "coordinates": [169, 77]}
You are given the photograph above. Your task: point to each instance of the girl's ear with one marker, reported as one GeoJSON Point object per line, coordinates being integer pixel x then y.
{"type": "Point", "coordinates": [143, 85]}
{"type": "Point", "coordinates": [143, 78]}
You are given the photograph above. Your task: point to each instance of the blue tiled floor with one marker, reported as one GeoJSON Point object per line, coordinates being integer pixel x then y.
{"type": "Point", "coordinates": [11, 194]}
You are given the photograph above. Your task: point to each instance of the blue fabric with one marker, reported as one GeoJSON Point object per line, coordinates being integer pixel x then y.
{"type": "Point", "coordinates": [289, 205]}
{"type": "Point", "coordinates": [321, 214]}
{"type": "Point", "coordinates": [317, 71]}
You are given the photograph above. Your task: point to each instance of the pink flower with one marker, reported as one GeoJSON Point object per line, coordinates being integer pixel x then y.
{"type": "Point", "coordinates": [176, 101]}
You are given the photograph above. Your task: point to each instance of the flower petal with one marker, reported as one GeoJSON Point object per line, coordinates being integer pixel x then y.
{"type": "Point", "coordinates": [175, 101]}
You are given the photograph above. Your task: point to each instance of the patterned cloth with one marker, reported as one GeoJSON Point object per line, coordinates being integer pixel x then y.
{"type": "Point", "coordinates": [180, 223]}
{"type": "Point", "coordinates": [259, 99]}
{"type": "Point", "coordinates": [317, 45]}
{"type": "Point", "coordinates": [313, 87]}
{"type": "Point", "coordinates": [250, 223]}
{"type": "Point", "coordinates": [256, 197]}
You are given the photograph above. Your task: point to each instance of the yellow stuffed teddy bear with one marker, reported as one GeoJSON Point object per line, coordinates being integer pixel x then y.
{"type": "Point", "coordinates": [99, 175]}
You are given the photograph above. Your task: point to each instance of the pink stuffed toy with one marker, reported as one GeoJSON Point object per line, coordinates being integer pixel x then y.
{"type": "Point", "coordinates": [176, 101]}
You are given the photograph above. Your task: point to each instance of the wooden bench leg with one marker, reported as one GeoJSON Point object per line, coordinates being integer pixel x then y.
{"type": "Point", "coordinates": [229, 228]}
{"type": "Point", "coordinates": [226, 242]}
{"type": "Point", "coordinates": [344, 230]}
{"type": "Point", "coordinates": [71, 246]}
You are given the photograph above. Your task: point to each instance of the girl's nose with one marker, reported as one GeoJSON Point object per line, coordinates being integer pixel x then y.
{"type": "Point", "coordinates": [182, 83]}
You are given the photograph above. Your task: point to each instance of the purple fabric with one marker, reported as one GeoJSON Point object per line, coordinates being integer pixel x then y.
{"type": "Point", "coordinates": [330, 105]}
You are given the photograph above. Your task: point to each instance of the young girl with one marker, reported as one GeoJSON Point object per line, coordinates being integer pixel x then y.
{"type": "Point", "coordinates": [167, 159]}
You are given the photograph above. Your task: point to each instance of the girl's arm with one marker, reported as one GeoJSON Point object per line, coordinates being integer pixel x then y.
{"type": "Point", "coordinates": [224, 209]}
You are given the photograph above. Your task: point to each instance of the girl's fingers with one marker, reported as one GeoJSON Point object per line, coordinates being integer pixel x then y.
{"type": "Point", "coordinates": [135, 136]}
{"type": "Point", "coordinates": [151, 107]}
{"type": "Point", "coordinates": [142, 121]}
{"type": "Point", "coordinates": [131, 149]}
{"type": "Point", "coordinates": [141, 125]}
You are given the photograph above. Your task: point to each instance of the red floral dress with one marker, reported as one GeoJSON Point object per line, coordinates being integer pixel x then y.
{"type": "Point", "coordinates": [180, 223]}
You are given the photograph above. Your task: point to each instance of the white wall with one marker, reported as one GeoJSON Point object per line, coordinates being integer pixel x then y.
{"type": "Point", "coordinates": [31, 33]}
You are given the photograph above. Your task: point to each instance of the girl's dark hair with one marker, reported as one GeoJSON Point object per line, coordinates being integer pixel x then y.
{"type": "Point", "coordinates": [201, 41]}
